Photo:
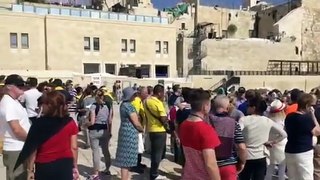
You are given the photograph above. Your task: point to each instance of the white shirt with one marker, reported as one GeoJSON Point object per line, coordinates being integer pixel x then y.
{"type": "Point", "coordinates": [256, 130]}
{"type": "Point", "coordinates": [11, 109]}
{"type": "Point", "coordinates": [31, 101]}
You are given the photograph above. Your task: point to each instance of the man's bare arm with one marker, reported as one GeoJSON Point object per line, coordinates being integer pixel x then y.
{"type": "Point", "coordinates": [17, 130]}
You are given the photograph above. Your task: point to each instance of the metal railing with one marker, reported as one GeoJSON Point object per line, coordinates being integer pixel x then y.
{"type": "Point", "coordinates": [85, 13]}
{"type": "Point", "coordinates": [254, 73]}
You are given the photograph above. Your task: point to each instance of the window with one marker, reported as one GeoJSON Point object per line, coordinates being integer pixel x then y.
{"type": "Point", "coordinates": [158, 47]}
{"type": "Point", "coordinates": [90, 68]}
{"type": "Point", "coordinates": [165, 47]}
{"type": "Point", "coordinates": [183, 26]}
{"type": "Point", "coordinates": [124, 45]}
{"type": "Point", "coordinates": [132, 45]}
{"type": "Point", "coordinates": [24, 40]}
{"type": "Point", "coordinates": [96, 44]}
{"type": "Point", "coordinates": [13, 40]}
{"type": "Point", "coordinates": [86, 44]}
{"type": "Point", "coordinates": [297, 50]}
{"type": "Point", "coordinates": [110, 68]}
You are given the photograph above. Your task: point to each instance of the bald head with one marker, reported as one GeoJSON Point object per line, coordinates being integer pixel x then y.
{"type": "Point", "coordinates": [221, 103]}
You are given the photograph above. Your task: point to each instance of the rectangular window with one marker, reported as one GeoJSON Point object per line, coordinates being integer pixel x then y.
{"type": "Point", "coordinates": [86, 44]}
{"type": "Point", "coordinates": [24, 40]}
{"type": "Point", "coordinates": [165, 47]}
{"type": "Point", "coordinates": [110, 68]}
{"type": "Point", "coordinates": [124, 45]}
{"type": "Point", "coordinates": [96, 44]}
{"type": "Point", "coordinates": [132, 45]}
{"type": "Point", "coordinates": [90, 68]}
{"type": "Point", "coordinates": [158, 47]}
{"type": "Point", "coordinates": [13, 40]}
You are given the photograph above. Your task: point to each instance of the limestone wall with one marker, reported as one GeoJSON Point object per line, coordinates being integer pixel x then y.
{"type": "Point", "coordinates": [237, 54]}
{"type": "Point", "coordinates": [311, 34]}
{"type": "Point", "coordinates": [282, 83]}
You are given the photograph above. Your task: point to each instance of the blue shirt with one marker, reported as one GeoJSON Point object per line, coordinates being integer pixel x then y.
{"type": "Point", "coordinates": [244, 107]}
{"type": "Point", "coordinates": [299, 127]}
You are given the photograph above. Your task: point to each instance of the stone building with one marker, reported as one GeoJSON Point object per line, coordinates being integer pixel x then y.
{"type": "Point", "coordinates": [85, 41]}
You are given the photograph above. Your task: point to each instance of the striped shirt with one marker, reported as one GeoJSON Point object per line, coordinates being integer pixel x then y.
{"type": "Point", "coordinates": [238, 138]}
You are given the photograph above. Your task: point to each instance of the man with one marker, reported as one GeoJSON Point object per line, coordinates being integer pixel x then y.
{"type": "Point", "coordinates": [31, 97]}
{"type": "Point", "coordinates": [14, 126]}
{"type": "Point", "coordinates": [174, 99]}
{"type": "Point", "coordinates": [240, 96]}
{"type": "Point", "coordinates": [230, 134]}
{"type": "Point", "coordinates": [59, 87]}
{"type": "Point", "coordinates": [293, 107]}
{"type": "Point", "coordinates": [244, 106]}
{"type": "Point", "coordinates": [157, 117]}
{"type": "Point", "coordinates": [138, 105]}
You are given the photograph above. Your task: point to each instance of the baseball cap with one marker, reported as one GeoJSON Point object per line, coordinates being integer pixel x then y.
{"type": "Point", "coordinates": [14, 79]}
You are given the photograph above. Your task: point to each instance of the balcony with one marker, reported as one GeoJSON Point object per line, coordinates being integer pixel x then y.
{"type": "Point", "coordinates": [84, 13]}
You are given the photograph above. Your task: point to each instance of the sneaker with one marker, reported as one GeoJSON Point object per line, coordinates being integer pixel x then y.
{"type": "Point", "coordinates": [93, 177]}
{"type": "Point", "coordinates": [161, 177]}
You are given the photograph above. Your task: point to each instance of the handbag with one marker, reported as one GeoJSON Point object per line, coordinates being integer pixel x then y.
{"type": "Point", "coordinates": [164, 124]}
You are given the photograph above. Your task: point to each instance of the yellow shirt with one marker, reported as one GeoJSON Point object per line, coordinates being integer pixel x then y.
{"type": "Point", "coordinates": [157, 108]}
{"type": "Point", "coordinates": [138, 105]}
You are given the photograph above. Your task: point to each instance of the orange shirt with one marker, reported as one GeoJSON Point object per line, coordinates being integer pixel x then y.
{"type": "Point", "coordinates": [291, 108]}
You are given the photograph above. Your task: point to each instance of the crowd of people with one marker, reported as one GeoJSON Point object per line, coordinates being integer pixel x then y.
{"type": "Point", "coordinates": [247, 135]}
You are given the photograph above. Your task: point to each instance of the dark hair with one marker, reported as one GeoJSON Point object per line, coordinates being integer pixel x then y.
{"type": "Point", "coordinates": [176, 87]}
{"type": "Point", "coordinates": [259, 103]}
{"type": "Point", "coordinates": [56, 103]}
{"type": "Point", "coordinates": [304, 100]}
{"type": "Point", "coordinates": [79, 89]}
{"type": "Point", "coordinates": [158, 89]}
{"type": "Point", "coordinates": [295, 94]}
{"type": "Point", "coordinates": [197, 98]}
{"type": "Point", "coordinates": [250, 94]}
{"type": "Point", "coordinates": [57, 82]}
{"type": "Point", "coordinates": [150, 89]}
{"type": "Point", "coordinates": [186, 94]}
{"type": "Point", "coordinates": [42, 85]}
{"type": "Point", "coordinates": [32, 82]}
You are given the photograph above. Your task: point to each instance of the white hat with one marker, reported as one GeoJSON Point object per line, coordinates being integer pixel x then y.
{"type": "Point", "coordinates": [277, 106]}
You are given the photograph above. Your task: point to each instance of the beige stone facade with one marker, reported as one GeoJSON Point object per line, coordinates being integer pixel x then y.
{"type": "Point", "coordinates": [237, 54]}
{"type": "Point", "coordinates": [58, 43]}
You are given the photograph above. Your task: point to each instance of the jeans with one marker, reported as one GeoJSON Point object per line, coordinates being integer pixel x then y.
{"type": "Point", "coordinates": [254, 170]}
{"type": "Point", "coordinates": [100, 139]}
{"type": "Point", "coordinates": [281, 171]}
{"type": "Point", "coordinates": [300, 165]}
{"type": "Point", "coordinates": [158, 149]}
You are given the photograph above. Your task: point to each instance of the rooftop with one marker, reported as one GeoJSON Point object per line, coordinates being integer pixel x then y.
{"type": "Point", "coordinates": [85, 13]}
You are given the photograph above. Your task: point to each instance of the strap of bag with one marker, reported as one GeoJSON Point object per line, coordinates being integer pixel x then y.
{"type": "Point", "coordinates": [154, 116]}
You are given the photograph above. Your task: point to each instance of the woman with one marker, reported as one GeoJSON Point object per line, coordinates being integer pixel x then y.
{"type": "Point", "coordinates": [199, 140]}
{"type": "Point", "coordinates": [99, 133]}
{"type": "Point", "coordinates": [301, 126]}
{"type": "Point", "coordinates": [127, 149]}
{"type": "Point", "coordinates": [277, 157]}
{"type": "Point", "coordinates": [256, 129]}
{"type": "Point", "coordinates": [51, 145]}
{"type": "Point", "coordinates": [233, 111]}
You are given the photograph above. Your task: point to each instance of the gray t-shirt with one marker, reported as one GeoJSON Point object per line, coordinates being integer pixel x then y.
{"type": "Point", "coordinates": [103, 115]}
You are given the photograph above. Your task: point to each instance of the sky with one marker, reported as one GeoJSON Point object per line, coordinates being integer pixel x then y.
{"type": "Point", "coordinates": [160, 4]}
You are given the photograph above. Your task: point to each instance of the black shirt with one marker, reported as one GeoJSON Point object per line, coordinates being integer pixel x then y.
{"type": "Point", "coordinates": [299, 127]}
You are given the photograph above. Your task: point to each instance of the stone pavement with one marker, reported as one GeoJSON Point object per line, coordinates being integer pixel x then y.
{"type": "Point", "coordinates": [167, 168]}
